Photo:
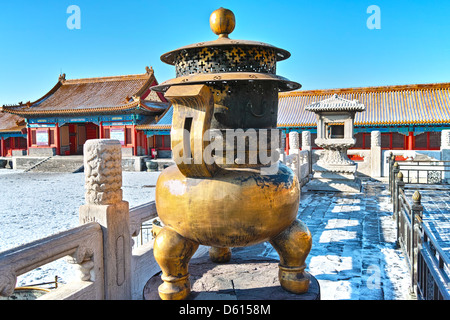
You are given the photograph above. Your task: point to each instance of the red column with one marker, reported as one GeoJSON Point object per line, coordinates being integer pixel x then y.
{"type": "Point", "coordinates": [100, 130]}
{"type": "Point", "coordinates": [12, 144]}
{"type": "Point", "coordinates": [286, 148]}
{"type": "Point", "coordinates": [134, 140]}
{"type": "Point", "coordinates": [57, 140]}
{"type": "Point", "coordinates": [411, 141]}
{"type": "Point", "coordinates": [29, 140]}
{"type": "Point", "coordinates": [1, 147]}
{"type": "Point", "coordinates": [153, 145]}
{"type": "Point", "coordinates": [145, 143]}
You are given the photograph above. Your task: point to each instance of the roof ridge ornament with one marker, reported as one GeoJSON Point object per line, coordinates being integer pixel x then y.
{"type": "Point", "coordinates": [149, 69]}
{"type": "Point", "coordinates": [62, 77]}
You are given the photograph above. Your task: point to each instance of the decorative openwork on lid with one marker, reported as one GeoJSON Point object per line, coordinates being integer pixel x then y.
{"type": "Point", "coordinates": [225, 59]}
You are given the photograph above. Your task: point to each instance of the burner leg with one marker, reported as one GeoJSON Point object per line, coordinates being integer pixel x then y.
{"type": "Point", "coordinates": [173, 253]}
{"type": "Point", "coordinates": [293, 246]}
{"type": "Point", "coordinates": [219, 255]}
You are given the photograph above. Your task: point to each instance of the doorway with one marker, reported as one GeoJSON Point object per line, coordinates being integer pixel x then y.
{"type": "Point", "coordinates": [74, 135]}
{"type": "Point", "coordinates": [73, 138]}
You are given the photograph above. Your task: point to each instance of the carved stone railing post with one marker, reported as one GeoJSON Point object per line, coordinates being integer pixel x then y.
{"type": "Point", "coordinates": [294, 150]}
{"type": "Point", "coordinates": [375, 153]}
{"type": "Point", "coordinates": [306, 146]}
{"type": "Point", "coordinates": [445, 151]}
{"type": "Point", "coordinates": [394, 173]}
{"type": "Point", "coordinates": [416, 218]}
{"type": "Point", "coordinates": [390, 168]}
{"type": "Point", "coordinates": [104, 204]}
{"type": "Point", "coordinates": [282, 147]}
{"type": "Point", "coordinates": [294, 142]}
{"type": "Point", "coordinates": [445, 139]}
{"type": "Point", "coordinates": [399, 184]}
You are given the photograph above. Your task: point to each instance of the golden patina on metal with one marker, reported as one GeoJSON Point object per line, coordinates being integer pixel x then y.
{"type": "Point", "coordinates": [236, 208]}
{"type": "Point", "coordinates": [219, 255]}
{"type": "Point", "coordinates": [173, 252]}
{"type": "Point", "coordinates": [222, 22]}
{"type": "Point", "coordinates": [221, 85]}
{"type": "Point", "coordinates": [194, 106]}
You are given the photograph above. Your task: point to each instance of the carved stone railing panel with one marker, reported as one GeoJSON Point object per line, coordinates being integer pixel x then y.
{"type": "Point", "coordinates": [83, 244]}
{"type": "Point", "coordinates": [139, 215]}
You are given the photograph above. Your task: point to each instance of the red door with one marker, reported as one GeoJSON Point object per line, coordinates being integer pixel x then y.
{"type": "Point", "coordinates": [91, 131]}
{"type": "Point", "coordinates": [73, 139]}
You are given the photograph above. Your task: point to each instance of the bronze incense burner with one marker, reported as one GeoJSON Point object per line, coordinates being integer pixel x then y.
{"type": "Point", "coordinates": [222, 88]}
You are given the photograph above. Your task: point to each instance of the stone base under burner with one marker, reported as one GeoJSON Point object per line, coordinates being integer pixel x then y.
{"type": "Point", "coordinates": [248, 276]}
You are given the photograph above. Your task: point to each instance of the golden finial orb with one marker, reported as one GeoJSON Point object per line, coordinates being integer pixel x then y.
{"type": "Point", "coordinates": [222, 22]}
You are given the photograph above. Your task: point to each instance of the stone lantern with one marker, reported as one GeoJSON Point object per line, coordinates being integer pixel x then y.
{"type": "Point", "coordinates": [225, 88]}
{"type": "Point", "coordinates": [334, 171]}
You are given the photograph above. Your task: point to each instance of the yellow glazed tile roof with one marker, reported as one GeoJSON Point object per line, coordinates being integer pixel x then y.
{"type": "Point", "coordinates": [420, 104]}
{"type": "Point", "coordinates": [95, 95]}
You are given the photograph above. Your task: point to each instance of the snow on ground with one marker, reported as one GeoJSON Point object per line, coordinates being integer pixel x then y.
{"type": "Point", "coordinates": [354, 254]}
{"type": "Point", "coordinates": [36, 205]}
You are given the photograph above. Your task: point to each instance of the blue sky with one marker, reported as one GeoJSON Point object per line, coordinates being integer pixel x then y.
{"type": "Point", "coordinates": [330, 43]}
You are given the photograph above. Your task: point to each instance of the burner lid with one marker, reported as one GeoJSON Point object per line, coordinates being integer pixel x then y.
{"type": "Point", "coordinates": [225, 59]}
{"type": "Point", "coordinates": [222, 23]}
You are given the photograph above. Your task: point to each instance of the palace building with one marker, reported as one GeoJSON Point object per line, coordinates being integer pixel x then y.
{"type": "Point", "coordinates": [409, 117]}
{"type": "Point", "coordinates": [159, 133]}
{"type": "Point", "coordinates": [76, 110]}
{"type": "Point", "coordinates": [13, 135]}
